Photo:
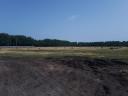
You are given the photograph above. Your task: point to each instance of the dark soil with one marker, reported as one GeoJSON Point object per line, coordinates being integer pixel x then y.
{"type": "Point", "coordinates": [69, 76]}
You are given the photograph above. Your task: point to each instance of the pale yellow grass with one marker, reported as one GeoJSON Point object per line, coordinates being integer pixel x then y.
{"type": "Point", "coordinates": [66, 51]}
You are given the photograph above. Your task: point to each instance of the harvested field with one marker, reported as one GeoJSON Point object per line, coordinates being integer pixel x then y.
{"type": "Point", "coordinates": [69, 76]}
{"type": "Point", "coordinates": [41, 52]}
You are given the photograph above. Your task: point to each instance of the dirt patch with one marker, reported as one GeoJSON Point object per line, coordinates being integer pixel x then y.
{"type": "Point", "coordinates": [69, 76]}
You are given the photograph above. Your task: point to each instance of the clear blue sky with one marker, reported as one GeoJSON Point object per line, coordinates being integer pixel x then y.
{"type": "Point", "coordinates": [74, 20]}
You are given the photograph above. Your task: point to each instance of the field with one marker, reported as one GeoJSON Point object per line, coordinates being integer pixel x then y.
{"type": "Point", "coordinates": [96, 52]}
{"type": "Point", "coordinates": [64, 71]}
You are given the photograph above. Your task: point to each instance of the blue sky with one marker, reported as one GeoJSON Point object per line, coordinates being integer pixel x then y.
{"type": "Point", "coordinates": [74, 20]}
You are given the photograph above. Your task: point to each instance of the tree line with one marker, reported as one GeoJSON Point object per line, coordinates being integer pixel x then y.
{"type": "Point", "coordinates": [21, 40]}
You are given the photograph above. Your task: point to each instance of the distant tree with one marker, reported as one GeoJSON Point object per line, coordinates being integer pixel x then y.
{"type": "Point", "coordinates": [21, 40]}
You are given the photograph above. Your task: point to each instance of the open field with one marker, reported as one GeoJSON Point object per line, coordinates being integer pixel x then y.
{"type": "Point", "coordinates": [96, 52]}
{"type": "Point", "coordinates": [64, 71]}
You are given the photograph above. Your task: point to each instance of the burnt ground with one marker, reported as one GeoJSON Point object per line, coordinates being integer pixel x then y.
{"type": "Point", "coordinates": [63, 77]}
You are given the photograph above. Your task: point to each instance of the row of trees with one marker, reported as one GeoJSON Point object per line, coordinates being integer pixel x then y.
{"type": "Point", "coordinates": [20, 40]}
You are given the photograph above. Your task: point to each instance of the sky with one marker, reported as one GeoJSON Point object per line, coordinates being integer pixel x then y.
{"type": "Point", "coordinates": [73, 20]}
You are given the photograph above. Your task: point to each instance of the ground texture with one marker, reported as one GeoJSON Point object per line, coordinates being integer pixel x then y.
{"type": "Point", "coordinates": [63, 77]}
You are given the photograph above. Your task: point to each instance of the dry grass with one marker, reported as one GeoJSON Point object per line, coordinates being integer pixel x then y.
{"type": "Point", "coordinates": [105, 52]}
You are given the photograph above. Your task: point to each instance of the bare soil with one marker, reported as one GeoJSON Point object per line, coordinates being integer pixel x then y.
{"type": "Point", "coordinates": [67, 76]}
